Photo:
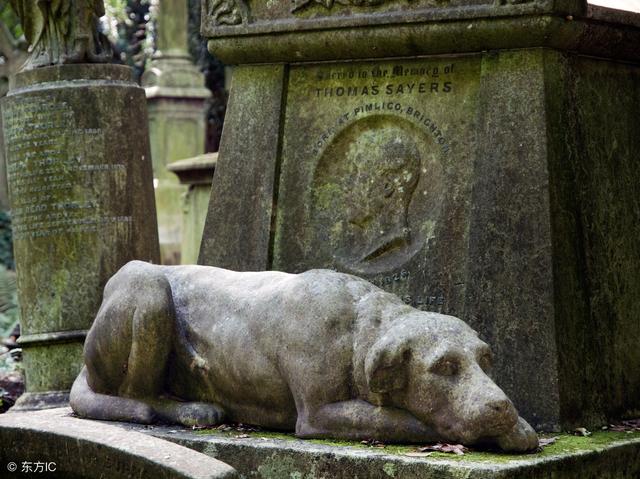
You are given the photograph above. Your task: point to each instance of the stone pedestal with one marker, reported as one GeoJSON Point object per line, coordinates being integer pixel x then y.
{"type": "Point", "coordinates": [475, 158]}
{"type": "Point", "coordinates": [197, 174]}
{"type": "Point", "coordinates": [176, 100]}
{"type": "Point", "coordinates": [81, 192]}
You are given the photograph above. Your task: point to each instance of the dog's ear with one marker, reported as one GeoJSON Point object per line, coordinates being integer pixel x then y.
{"type": "Point", "coordinates": [384, 364]}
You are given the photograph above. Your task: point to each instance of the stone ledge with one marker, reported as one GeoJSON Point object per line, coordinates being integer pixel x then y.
{"type": "Point", "coordinates": [268, 455]}
{"type": "Point", "coordinates": [273, 458]}
{"type": "Point", "coordinates": [605, 455]}
{"type": "Point", "coordinates": [83, 448]}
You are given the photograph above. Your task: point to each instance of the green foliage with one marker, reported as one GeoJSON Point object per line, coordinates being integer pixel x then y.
{"type": "Point", "coordinates": [9, 365]}
{"type": "Point", "coordinates": [9, 20]}
{"type": "Point", "coordinates": [9, 310]}
{"type": "Point", "coordinates": [6, 241]}
{"type": "Point", "coordinates": [9, 318]}
{"type": "Point", "coordinates": [126, 24]}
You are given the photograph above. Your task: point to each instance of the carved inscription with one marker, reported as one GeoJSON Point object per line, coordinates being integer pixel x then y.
{"type": "Point", "coordinates": [54, 169]}
{"type": "Point", "coordinates": [384, 281]}
{"type": "Point", "coordinates": [381, 82]}
{"type": "Point", "coordinates": [367, 109]}
{"type": "Point", "coordinates": [377, 90]}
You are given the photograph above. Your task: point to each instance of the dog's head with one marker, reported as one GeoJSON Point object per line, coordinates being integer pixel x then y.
{"type": "Point", "coordinates": [436, 367]}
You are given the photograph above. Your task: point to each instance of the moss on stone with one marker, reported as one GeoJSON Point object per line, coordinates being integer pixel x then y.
{"type": "Point", "coordinates": [565, 444]}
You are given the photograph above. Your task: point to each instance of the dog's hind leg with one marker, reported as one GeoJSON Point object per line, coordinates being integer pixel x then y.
{"type": "Point", "coordinates": [126, 354]}
{"type": "Point", "coordinates": [127, 347]}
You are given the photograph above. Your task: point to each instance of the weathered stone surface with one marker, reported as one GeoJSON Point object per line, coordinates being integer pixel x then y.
{"type": "Point", "coordinates": [270, 32]}
{"type": "Point", "coordinates": [252, 130]}
{"type": "Point", "coordinates": [481, 185]}
{"type": "Point", "coordinates": [509, 287]}
{"type": "Point", "coordinates": [197, 173]}
{"type": "Point", "coordinates": [273, 459]}
{"type": "Point", "coordinates": [248, 346]}
{"type": "Point", "coordinates": [595, 224]}
{"type": "Point", "coordinates": [82, 204]}
{"type": "Point", "coordinates": [268, 456]}
{"type": "Point", "coordinates": [55, 444]}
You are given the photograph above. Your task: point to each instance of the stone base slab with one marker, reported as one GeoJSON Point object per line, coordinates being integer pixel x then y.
{"type": "Point", "coordinates": [53, 443]}
{"type": "Point", "coordinates": [268, 455]}
{"type": "Point", "coordinates": [44, 400]}
{"type": "Point", "coordinates": [268, 458]}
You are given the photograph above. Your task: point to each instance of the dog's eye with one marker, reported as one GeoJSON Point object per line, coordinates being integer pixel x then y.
{"type": "Point", "coordinates": [446, 367]}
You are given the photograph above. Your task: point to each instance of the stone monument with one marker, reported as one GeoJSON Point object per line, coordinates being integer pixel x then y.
{"type": "Point", "coordinates": [197, 174]}
{"type": "Point", "coordinates": [80, 186]}
{"type": "Point", "coordinates": [176, 100]}
{"type": "Point", "coordinates": [475, 157]}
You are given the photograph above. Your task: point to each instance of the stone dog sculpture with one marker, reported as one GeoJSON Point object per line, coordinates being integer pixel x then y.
{"type": "Point", "coordinates": [326, 354]}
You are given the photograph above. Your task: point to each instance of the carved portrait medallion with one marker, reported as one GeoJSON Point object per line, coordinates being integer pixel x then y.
{"type": "Point", "coordinates": [368, 192]}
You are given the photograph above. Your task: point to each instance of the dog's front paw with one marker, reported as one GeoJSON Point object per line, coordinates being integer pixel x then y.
{"type": "Point", "coordinates": [199, 414]}
{"type": "Point", "coordinates": [521, 438]}
{"type": "Point", "coordinates": [139, 412]}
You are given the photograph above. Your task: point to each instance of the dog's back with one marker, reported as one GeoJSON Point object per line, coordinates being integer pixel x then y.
{"type": "Point", "coordinates": [253, 342]}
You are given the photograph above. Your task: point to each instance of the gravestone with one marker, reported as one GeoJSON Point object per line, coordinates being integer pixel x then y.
{"type": "Point", "coordinates": [197, 174]}
{"type": "Point", "coordinates": [176, 99]}
{"type": "Point", "coordinates": [82, 204]}
{"type": "Point", "coordinates": [477, 158]}
{"type": "Point", "coordinates": [80, 186]}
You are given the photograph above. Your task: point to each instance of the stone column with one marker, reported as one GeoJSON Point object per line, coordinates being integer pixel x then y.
{"type": "Point", "coordinates": [197, 173]}
{"type": "Point", "coordinates": [176, 101]}
{"type": "Point", "coordinates": [81, 192]}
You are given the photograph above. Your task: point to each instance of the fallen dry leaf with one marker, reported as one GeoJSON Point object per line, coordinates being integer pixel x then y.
{"type": "Point", "coordinates": [418, 454]}
{"type": "Point", "coordinates": [373, 443]}
{"type": "Point", "coordinates": [458, 449]}
{"type": "Point", "coordinates": [241, 428]}
{"type": "Point", "coordinates": [545, 441]}
{"type": "Point", "coordinates": [630, 425]}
